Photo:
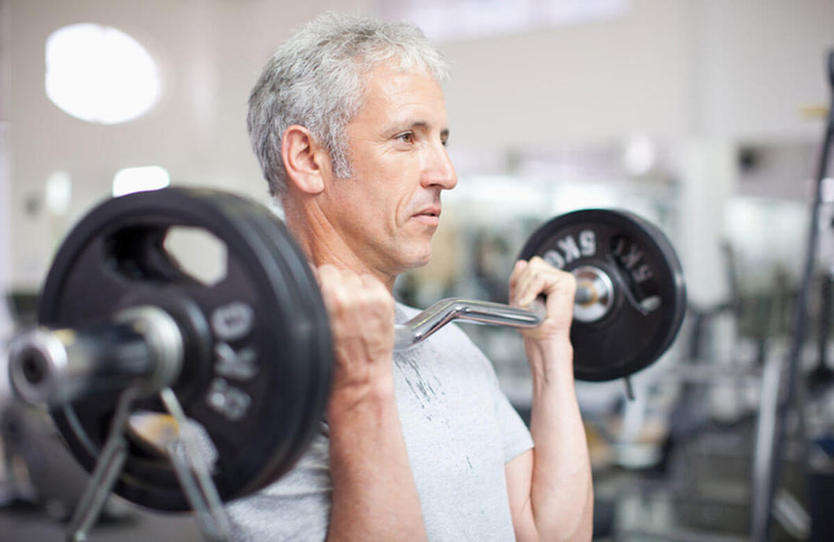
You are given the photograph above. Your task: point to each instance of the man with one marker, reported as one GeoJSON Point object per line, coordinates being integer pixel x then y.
{"type": "Point", "coordinates": [349, 123]}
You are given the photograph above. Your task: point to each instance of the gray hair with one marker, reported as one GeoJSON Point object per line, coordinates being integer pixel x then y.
{"type": "Point", "coordinates": [316, 79]}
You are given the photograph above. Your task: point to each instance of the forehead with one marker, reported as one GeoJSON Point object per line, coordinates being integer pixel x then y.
{"type": "Point", "coordinates": [395, 92]}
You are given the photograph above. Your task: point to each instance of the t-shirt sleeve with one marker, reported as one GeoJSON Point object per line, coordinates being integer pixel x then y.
{"type": "Point", "coordinates": [517, 438]}
{"type": "Point", "coordinates": [295, 507]}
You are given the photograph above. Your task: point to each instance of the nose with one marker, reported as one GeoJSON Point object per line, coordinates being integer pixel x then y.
{"type": "Point", "coordinates": [439, 171]}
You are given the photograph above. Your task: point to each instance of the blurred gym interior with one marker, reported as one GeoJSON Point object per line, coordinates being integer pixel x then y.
{"type": "Point", "coordinates": [712, 120]}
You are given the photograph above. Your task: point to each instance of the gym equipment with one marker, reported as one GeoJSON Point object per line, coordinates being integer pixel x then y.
{"type": "Point", "coordinates": [178, 393]}
{"type": "Point", "coordinates": [631, 297]}
{"type": "Point", "coordinates": [247, 358]}
{"type": "Point", "coordinates": [771, 427]}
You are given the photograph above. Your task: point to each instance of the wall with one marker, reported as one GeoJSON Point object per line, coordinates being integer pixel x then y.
{"type": "Point", "coordinates": [758, 63]}
{"type": "Point", "coordinates": [210, 53]}
{"type": "Point", "coordinates": [589, 82]}
{"type": "Point", "coordinates": [672, 70]}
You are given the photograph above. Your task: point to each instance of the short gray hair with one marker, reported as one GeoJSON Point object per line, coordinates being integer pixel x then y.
{"type": "Point", "coordinates": [315, 79]}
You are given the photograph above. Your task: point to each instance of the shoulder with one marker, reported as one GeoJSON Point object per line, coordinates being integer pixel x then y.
{"type": "Point", "coordinates": [451, 340]}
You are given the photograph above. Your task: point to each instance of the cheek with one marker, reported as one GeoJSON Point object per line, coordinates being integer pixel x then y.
{"type": "Point", "coordinates": [385, 190]}
{"type": "Point", "coordinates": [368, 204]}
{"type": "Point", "coordinates": [387, 195]}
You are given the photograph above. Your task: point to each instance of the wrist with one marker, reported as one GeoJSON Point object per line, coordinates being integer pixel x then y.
{"type": "Point", "coordinates": [557, 347]}
{"type": "Point", "coordinates": [550, 359]}
{"type": "Point", "coordinates": [372, 398]}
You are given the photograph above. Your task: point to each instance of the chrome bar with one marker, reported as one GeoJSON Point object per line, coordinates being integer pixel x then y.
{"type": "Point", "coordinates": [55, 366]}
{"type": "Point", "coordinates": [480, 312]}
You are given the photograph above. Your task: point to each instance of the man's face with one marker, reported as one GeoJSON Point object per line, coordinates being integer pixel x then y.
{"type": "Point", "coordinates": [389, 209]}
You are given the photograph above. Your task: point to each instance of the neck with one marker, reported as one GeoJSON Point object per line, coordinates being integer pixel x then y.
{"type": "Point", "coordinates": [325, 244]}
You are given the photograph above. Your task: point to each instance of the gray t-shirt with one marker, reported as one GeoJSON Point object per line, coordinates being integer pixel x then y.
{"type": "Point", "coordinates": [459, 431]}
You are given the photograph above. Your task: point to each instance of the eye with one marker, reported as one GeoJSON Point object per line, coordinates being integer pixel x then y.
{"type": "Point", "coordinates": [406, 137]}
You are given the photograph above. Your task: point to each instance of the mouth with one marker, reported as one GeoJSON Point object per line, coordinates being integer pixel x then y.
{"type": "Point", "coordinates": [429, 216]}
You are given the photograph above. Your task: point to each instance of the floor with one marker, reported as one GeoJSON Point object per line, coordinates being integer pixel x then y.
{"type": "Point", "coordinates": [35, 526]}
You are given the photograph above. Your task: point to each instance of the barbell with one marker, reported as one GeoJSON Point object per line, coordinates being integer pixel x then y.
{"type": "Point", "coordinates": [126, 336]}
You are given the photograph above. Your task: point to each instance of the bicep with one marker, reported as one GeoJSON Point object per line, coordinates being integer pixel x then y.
{"type": "Point", "coordinates": [519, 474]}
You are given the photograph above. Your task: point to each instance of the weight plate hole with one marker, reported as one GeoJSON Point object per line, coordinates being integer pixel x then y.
{"type": "Point", "coordinates": [651, 303]}
{"type": "Point", "coordinates": [197, 253]}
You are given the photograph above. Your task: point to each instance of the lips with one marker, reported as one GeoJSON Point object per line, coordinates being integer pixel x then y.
{"type": "Point", "coordinates": [429, 211]}
{"type": "Point", "coordinates": [428, 215]}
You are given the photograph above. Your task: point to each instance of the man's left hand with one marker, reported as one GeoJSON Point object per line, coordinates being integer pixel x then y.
{"type": "Point", "coordinates": [534, 278]}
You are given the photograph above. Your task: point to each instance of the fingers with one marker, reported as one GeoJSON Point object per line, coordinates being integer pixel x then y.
{"type": "Point", "coordinates": [378, 304]}
{"type": "Point", "coordinates": [518, 268]}
{"type": "Point", "coordinates": [332, 286]}
{"type": "Point", "coordinates": [344, 291]}
{"type": "Point", "coordinates": [361, 311]}
{"type": "Point", "coordinates": [537, 277]}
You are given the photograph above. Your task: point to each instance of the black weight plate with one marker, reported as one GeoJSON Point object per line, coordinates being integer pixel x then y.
{"type": "Point", "coordinates": [260, 415]}
{"type": "Point", "coordinates": [650, 295]}
{"type": "Point", "coordinates": [318, 361]}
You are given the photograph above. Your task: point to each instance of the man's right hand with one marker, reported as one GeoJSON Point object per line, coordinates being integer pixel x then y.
{"type": "Point", "coordinates": [374, 494]}
{"type": "Point", "coordinates": [361, 314]}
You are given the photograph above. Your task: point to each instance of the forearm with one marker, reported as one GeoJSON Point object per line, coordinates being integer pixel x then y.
{"type": "Point", "coordinates": [561, 493]}
{"type": "Point", "coordinates": [374, 495]}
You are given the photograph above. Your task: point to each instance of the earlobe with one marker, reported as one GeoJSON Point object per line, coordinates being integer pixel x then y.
{"type": "Point", "coordinates": [298, 151]}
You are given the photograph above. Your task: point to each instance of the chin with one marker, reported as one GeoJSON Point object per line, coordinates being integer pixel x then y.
{"type": "Point", "coordinates": [417, 258]}
{"type": "Point", "coordinates": [423, 261]}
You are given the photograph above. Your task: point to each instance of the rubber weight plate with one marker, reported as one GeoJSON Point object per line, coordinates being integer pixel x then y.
{"type": "Point", "coordinates": [256, 369]}
{"type": "Point", "coordinates": [649, 292]}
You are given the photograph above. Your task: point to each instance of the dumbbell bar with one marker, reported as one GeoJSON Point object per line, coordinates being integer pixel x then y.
{"type": "Point", "coordinates": [249, 358]}
{"type": "Point", "coordinates": [594, 298]}
{"type": "Point", "coordinates": [144, 345]}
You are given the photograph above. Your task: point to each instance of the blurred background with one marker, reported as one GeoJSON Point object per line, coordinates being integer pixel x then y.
{"type": "Point", "coordinates": [704, 116]}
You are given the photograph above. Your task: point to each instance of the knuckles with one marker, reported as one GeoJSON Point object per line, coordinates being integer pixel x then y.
{"type": "Point", "coordinates": [345, 292]}
{"type": "Point", "coordinates": [361, 311]}
{"type": "Point", "coordinates": [539, 274]}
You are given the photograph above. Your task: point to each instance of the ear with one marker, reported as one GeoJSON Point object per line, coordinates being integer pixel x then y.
{"type": "Point", "coordinates": [304, 159]}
